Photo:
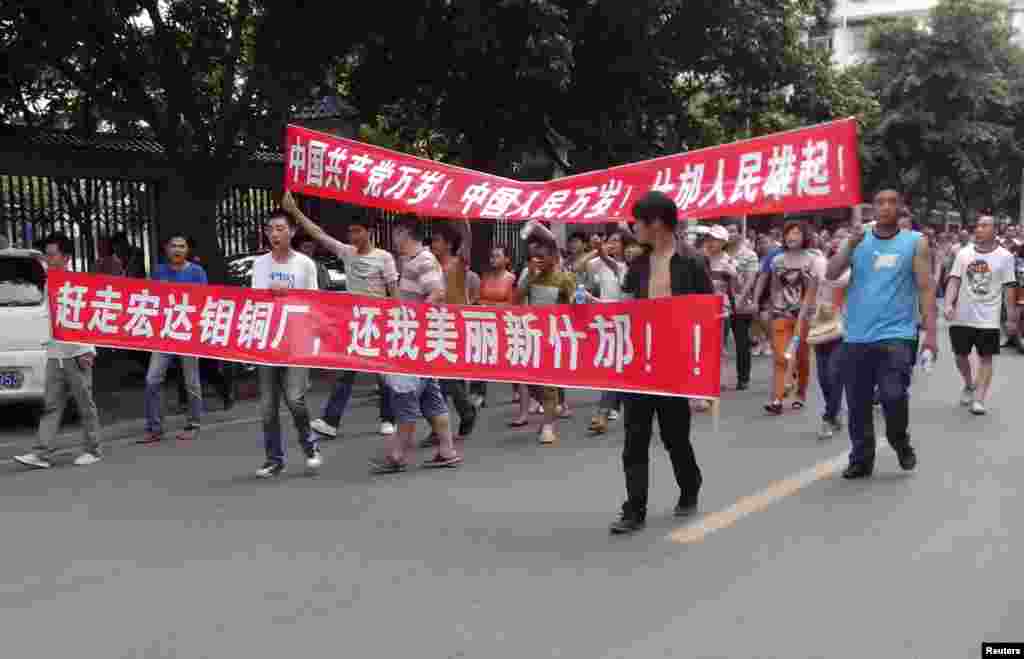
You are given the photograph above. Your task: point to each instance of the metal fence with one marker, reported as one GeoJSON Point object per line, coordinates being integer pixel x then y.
{"type": "Point", "coordinates": [92, 210]}
{"type": "Point", "coordinates": [87, 210]}
{"type": "Point", "coordinates": [240, 217]}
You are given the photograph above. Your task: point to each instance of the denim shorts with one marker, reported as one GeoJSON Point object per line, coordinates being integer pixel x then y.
{"type": "Point", "coordinates": [422, 397]}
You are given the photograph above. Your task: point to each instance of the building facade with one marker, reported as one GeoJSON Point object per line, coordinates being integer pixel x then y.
{"type": "Point", "coordinates": [847, 39]}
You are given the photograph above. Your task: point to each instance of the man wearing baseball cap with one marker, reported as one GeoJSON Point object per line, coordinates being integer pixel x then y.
{"type": "Point", "coordinates": [723, 279]}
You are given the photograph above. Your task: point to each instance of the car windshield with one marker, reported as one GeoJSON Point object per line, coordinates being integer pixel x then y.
{"type": "Point", "coordinates": [21, 282]}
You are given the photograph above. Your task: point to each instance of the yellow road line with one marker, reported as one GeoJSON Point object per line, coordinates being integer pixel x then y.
{"type": "Point", "coordinates": [696, 532]}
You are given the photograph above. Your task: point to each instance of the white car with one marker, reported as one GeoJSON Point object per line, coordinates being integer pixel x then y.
{"type": "Point", "coordinates": [24, 326]}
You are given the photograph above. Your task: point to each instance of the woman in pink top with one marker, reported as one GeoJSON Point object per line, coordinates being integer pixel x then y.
{"type": "Point", "coordinates": [497, 288]}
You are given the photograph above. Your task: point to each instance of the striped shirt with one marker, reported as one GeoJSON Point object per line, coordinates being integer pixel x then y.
{"type": "Point", "coordinates": [421, 276]}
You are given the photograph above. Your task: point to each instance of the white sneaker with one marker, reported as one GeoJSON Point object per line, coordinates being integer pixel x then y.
{"type": "Point", "coordinates": [547, 435]}
{"type": "Point", "coordinates": [315, 461]}
{"type": "Point", "coordinates": [387, 428]}
{"type": "Point", "coordinates": [87, 459]}
{"type": "Point", "coordinates": [32, 460]}
{"type": "Point", "coordinates": [324, 428]}
{"type": "Point", "coordinates": [978, 408]}
{"type": "Point", "coordinates": [967, 396]}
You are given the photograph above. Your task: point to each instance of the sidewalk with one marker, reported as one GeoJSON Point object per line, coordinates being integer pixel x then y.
{"type": "Point", "coordinates": [119, 388]}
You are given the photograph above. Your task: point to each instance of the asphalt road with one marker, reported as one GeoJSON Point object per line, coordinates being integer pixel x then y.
{"type": "Point", "coordinates": [177, 551]}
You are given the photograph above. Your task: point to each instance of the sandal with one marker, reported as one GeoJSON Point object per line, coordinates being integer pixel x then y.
{"type": "Point", "coordinates": [440, 462]}
{"type": "Point", "coordinates": [518, 423]}
{"type": "Point", "coordinates": [798, 404]}
{"type": "Point", "coordinates": [774, 408]}
{"type": "Point", "coordinates": [151, 438]}
{"type": "Point", "coordinates": [387, 466]}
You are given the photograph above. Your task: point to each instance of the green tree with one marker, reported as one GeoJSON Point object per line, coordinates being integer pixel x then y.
{"type": "Point", "coordinates": [950, 93]}
{"type": "Point", "coordinates": [211, 80]}
{"type": "Point", "coordinates": [611, 81]}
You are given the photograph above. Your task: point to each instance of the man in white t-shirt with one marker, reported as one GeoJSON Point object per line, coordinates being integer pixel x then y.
{"type": "Point", "coordinates": [368, 271]}
{"type": "Point", "coordinates": [982, 278]}
{"type": "Point", "coordinates": [281, 270]}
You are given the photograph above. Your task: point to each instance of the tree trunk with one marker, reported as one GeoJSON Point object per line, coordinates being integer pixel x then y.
{"type": "Point", "coordinates": [189, 204]}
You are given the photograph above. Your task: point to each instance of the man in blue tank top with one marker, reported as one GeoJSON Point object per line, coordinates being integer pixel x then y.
{"type": "Point", "coordinates": [890, 280]}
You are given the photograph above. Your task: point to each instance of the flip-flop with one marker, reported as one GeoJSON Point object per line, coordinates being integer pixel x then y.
{"type": "Point", "coordinates": [798, 405]}
{"type": "Point", "coordinates": [387, 466]}
{"type": "Point", "coordinates": [439, 462]}
{"type": "Point", "coordinates": [518, 424]}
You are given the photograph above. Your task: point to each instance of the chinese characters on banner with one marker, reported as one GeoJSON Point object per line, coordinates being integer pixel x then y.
{"type": "Point", "coordinates": [807, 169]}
{"type": "Point", "coordinates": [667, 346]}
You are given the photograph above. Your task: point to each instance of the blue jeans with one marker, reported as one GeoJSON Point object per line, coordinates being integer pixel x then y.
{"type": "Point", "coordinates": [886, 365]}
{"type": "Point", "coordinates": [292, 384]}
{"type": "Point", "coordinates": [155, 377]}
{"type": "Point", "coordinates": [336, 405]}
{"type": "Point", "coordinates": [829, 357]}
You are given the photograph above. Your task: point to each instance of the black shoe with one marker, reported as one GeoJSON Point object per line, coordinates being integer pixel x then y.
{"type": "Point", "coordinates": [685, 507]}
{"type": "Point", "coordinates": [908, 458]}
{"type": "Point", "coordinates": [628, 523]}
{"type": "Point", "coordinates": [466, 426]}
{"type": "Point", "coordinates": [270, 469]}
{"type": "Point", "coordinates": [742, 386]}
{"type": "Point", "coordinates": [858, 470]}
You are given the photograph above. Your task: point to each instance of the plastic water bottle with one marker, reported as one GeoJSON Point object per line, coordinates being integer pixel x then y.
{"type": "Point", "coordinates": [927, 361]}
{"type": "Point", "coordinates": [581, 294]}
{"type": "Point", "coordinates": [794, 345]}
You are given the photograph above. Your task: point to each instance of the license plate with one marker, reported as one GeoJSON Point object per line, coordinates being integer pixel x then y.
{"type": "Point", "coordinates": [11, 379]}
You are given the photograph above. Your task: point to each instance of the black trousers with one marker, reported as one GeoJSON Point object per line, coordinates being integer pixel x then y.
{"type": "Point", "coordinates": [674, 423]}
{"type": "Point", "coordinates": [740, 326]}
{"type": "Point", "coordinates": [456, 390]}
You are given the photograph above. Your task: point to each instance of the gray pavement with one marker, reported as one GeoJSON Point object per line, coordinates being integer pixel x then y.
{"type": "Point", "coordinates": [177, 551]}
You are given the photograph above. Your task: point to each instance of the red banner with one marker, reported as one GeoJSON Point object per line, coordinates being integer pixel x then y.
{"type": "Point", "coordinates": [807, 169]}
{"type": "Point", "coordinates": [667, 346]}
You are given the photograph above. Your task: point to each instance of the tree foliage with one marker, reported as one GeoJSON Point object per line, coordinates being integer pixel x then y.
{"type": "Point", "coordinates": [590, 82]}
{"type": "Point", "coordinates": [485, 83]}
{"type": "Point", "coordinates": [950, 93]}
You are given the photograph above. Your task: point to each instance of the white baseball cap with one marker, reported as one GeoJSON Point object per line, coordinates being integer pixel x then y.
{"type": "Point", "coordinates": [718, 232]}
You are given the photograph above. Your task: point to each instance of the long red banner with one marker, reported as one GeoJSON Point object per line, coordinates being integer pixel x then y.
{"type": "Point", "coordinates": [667, 346]}
{"type": "Point", "coordinates": [807, 169]}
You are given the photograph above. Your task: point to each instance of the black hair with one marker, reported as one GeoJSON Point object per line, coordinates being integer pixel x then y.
{"type": "Point", "coordinates": [171, 235]}
{"type": "Point", "coordinates": [364, 222]}
{"type": "Point", "coordinates": [450, 235]}
{"type": "Point", "coordinates": [279, 213]}
{"type": "Point", "coordinates": [543, 242]}
{"type": "Point", "coordinates": [626, 237]}
{"type": "Point", "coordinates": [579, 235]}
{"type": "Point", "coordinates": [892, 188]}
{"type": "Point", "coordinates": [412, 225]}
{"type": "Point", "coordinates": [63, 243]}
{"type": "Point", "coordinates": [656, 206]}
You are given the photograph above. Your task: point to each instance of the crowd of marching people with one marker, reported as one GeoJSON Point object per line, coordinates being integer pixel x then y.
{"type": "Point", "coordinates": [863, 296]}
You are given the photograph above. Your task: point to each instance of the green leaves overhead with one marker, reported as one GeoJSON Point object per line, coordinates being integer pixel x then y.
{"type": "Point", "coordinates": [950, 93]}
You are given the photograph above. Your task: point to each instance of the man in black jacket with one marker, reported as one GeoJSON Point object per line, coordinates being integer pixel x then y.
{"type": "Point", "coordinates": [665, 271]}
